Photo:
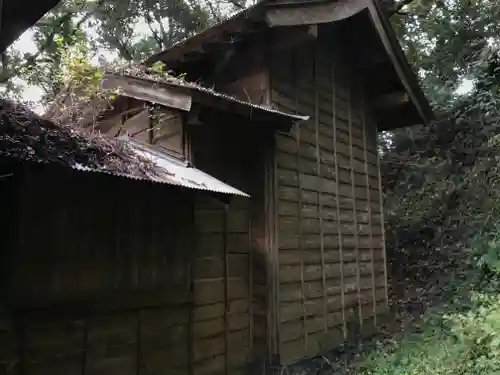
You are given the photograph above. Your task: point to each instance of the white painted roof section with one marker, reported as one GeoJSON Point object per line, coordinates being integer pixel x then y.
{"type": "Point", "coordinates": [173, 171]}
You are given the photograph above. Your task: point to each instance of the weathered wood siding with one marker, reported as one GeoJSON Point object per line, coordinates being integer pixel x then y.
{"type": "Point", "coordinates": [222, 283]}
{"type": "Point", "coordinates": [236, 154]}
{"type": "Point", "coordinates": [330, 250]}
{"type": "Point", "coordinates": [117, 277]}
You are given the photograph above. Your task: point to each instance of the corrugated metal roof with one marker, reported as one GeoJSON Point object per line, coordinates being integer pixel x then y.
{"type": "Point", "coordinates": [226, 97]}
{"type": "Point", "coordinates": [139, 76]}
{"type": "Point", "coordinates": [176, 172]}
{"type": "Point", "coordinates": [169, 170]}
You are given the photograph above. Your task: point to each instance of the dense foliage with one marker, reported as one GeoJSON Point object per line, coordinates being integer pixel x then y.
{"type": "Point", "coordinates": [129, 30]}
{"type": "Point", "coordinates": [441, 37]}
{"type": "Point", "coordinates": [442, 198]}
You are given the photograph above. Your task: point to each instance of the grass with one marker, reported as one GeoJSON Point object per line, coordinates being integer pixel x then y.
{"type": "Point", "coordinates": [462, 337]}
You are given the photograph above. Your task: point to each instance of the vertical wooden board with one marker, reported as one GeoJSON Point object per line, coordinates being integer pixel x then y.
{"type": "Point", "coordinates": [383, 234]}
{"type": "Point", "coordinates": [112, 344]}
{"type": "Point", "coordinates": [335, 90]}
{"type": "Point", "coordinates": [169, 360]}
{"type": "Point", "coordinates": [292, 351]}
{"type": "Point", "coordinates": [208, 291]}
{"type": "Point", "coordinates": [212, 311]}
{"type": "Point", "coordinates": [356, 192]}
{"type": "Point", "coordinates": [210, 245]}
{"type": "Point", "coordinates": [238, 220]}
{"type": "Point", "coordinates": [238, 243]}
{"type": "Point", "coordinates": [330, 187]}
{"type": "Point", "coordinates": [207, 268]}
{"type": "Point", "coordinates": [291, 330]}
{"type": "Point", "coordinates": [209, 220]}
{"type": "Point", "coordinates": [163, 327]}
{"type": "Point", "coordinates": [208, 348]}
{"type": "Point", "coordinates": [370, 224]}
{"type": "Point", "coordinates": [59, 343]}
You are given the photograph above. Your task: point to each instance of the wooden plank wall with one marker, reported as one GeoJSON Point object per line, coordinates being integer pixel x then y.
{"type": "Point", "coordinates": [222, 283]}
{"type": "Point", "coordinates": [116, 279]}
{"type": "Point", "coordinates": [233, 152]}
{"type": "Point", "coordinates": [332, 278]}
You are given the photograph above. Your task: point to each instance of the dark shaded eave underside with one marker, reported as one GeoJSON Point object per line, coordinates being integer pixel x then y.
{"type": "Point", "coordinates": [414, 89]}
{"type": "Point", "coordinates": [19, 15]}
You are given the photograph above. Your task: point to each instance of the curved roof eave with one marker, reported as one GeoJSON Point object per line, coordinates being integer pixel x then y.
{"type": "Point", "coordinates": [16, 16]}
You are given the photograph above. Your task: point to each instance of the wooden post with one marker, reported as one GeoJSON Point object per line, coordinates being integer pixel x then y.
{"type": "Point", "coordinates": [23, 344]}
{"type": "Point", "coordinates": [138, 348]}
{"type": "Point", "coordinates": [250, 281]}
{"type": "Point", "coordinates": [354, 208]}
{"type": "Point", "coordinates": [226, 293]}
{"type": "Point", "coordinates": [272, 323]}
{"type": "Point", "coordinates": [190, 281]}
{"type": "Point", "coordinates": [370, 223]}
{"type": "Point", "coordinates": [299, 241]}
{"type": "Point", "coordinates": [275, 248]}
{"type": "Point", "coordinates": [85, 344]}
{"type": "Point", "coordinates": [299, 203]}
{"type": "Point", "coordinates": [337, 198]}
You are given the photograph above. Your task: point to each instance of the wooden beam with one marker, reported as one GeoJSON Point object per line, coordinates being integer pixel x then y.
{"type": "Point", "coordinates": [392, 99]}
{"type": "Point", "coordinates": [149, 91]}
{"type": "Point", "coordinates": [308, 14]}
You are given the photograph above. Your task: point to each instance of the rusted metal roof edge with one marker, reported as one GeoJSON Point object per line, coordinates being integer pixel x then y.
{"type": "Point", "coordinates": [189, 86]}
{"type": "Point", "coordinates": [226, 97]}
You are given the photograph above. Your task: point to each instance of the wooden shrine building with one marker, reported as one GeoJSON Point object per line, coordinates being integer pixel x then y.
{"type": "Point", "coordinates": [267, 244]}
{"type": "Point", "coordinates": [340, 64]}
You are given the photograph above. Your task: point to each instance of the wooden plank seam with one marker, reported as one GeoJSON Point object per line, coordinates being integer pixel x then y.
{"type": "Point", "coordinates": [318, 171]}
{"type": "Point", "coordinates": [250, 284]}
{"type": "Point", "coordinates": [354, 210]}
{"type": "Point", "coordinates": [295, 73]}
{"type": "Point", "coordinates": [270, 302]}
{"type": "Point", "coordinates": [226, 292]}
{"type": "Point", "coordinates": [382, 225]}
{"type": "Point", "coordinates": [299, 222]}
{"type": "Point", "coordinates": [138, 342]}
{"type": "Point", "coordinates": [337, 198]}
{"type": "Point", "coordinates": [370, 223]}
{"type": "Point", "coordinates": [190, 281]}
{"type": "Point", "coordinates": [276, 234]}
{"type": "Point", "coordinates": [85, 344]}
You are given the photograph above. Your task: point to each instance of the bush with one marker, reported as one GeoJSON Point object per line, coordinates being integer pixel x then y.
{"type": "Point", "coordinates": [465, 339]}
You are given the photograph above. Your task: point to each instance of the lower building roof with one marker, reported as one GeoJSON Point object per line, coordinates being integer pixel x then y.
{"type": "Point", "coordinates": [24, 136]}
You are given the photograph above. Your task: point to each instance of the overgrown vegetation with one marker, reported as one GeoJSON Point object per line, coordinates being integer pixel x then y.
{"type": "Point", "coordinates": [461, 339]}
{"type": "Point", "coordinates": [442, 196]}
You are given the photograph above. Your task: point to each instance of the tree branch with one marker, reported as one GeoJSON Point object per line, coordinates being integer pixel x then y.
{"type": "Point", "coordinates": [235, 3]}
{"type": "Point", "coordinates": [156, 36]}
{"type": "Point", "coordinates": [396, 8]}
{"type": "Point", "coordinates": [215, 15]}
{"type": "Point", "coordinates": [164, 36]}
{"type": "Point", "coordinates": [31, 59]}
